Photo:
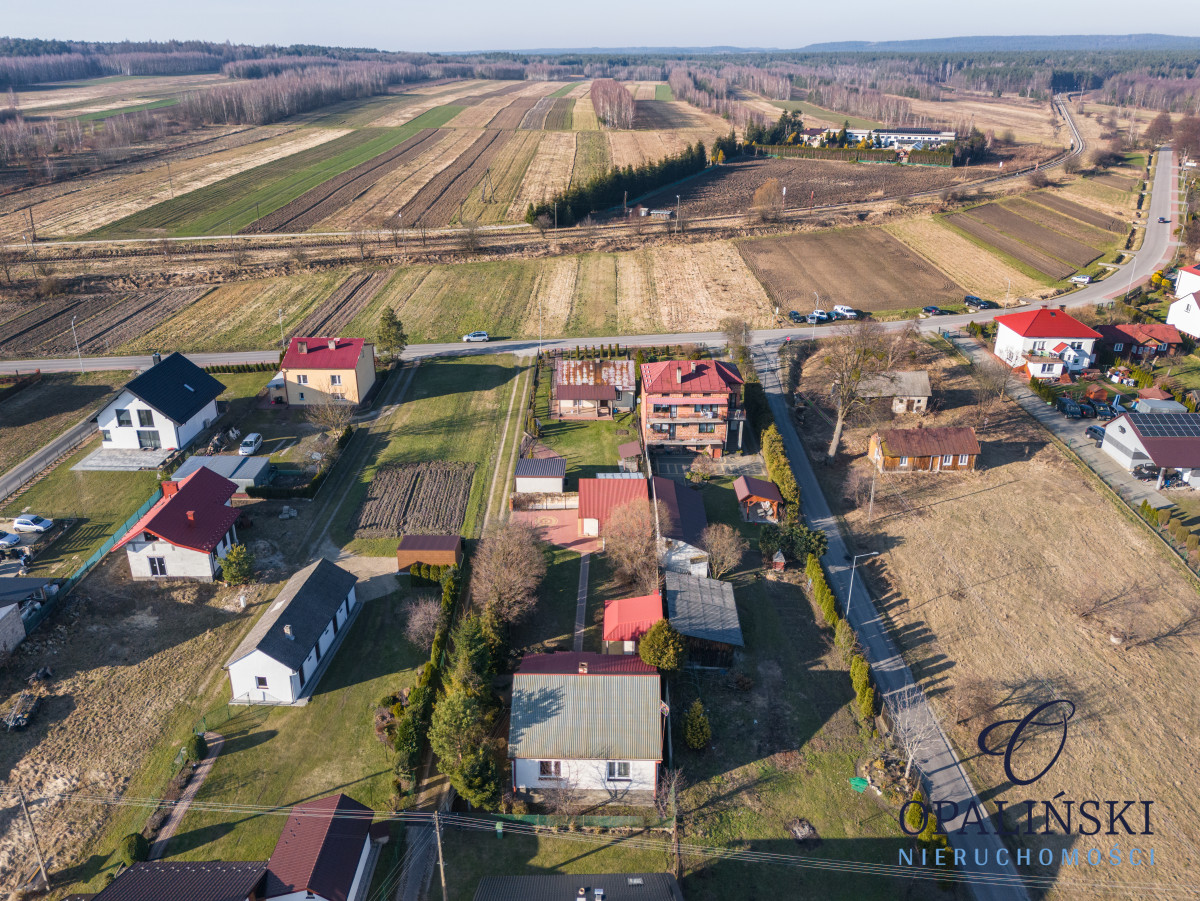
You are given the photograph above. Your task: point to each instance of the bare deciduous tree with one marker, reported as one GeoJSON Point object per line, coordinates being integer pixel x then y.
{"type": "Point", "coordinates": [703, 467]}
{"type": "Point", "coordinates": [422, 622]}
{"type": "Point", "coordinates": [851, 357]}
{"type": "Point", "coordinates": [899, 344]}
{"type": "Point", "coordinates": [328, 413]}
{"type": "Point", "coordinates": [973, 696]}
{"type": "Point", "coordinates": [725, 547]}
{"type": "Point", "coordinates": [613, 103]}
{"type": "Point", "coordinates": [507, 570]}
{"type": "Point", "coordinates": [737, 335]}
{"type": "Point", "coordinates": [562, 795]}
{"type": "Point", "coordinates": [768, 200]}
{"type": "Point", "coordinates": [913, 725]}
{"type": "Point", "coordinates": [469, 235]}
{"type": "Point", "coordinates": [8, 259]}
{"type": "Point", "coordinates": [670, 786]}
{"type": "Point", "coordinates": [629, 543]}
{"type": "Point", "coordinates": [992, 380]}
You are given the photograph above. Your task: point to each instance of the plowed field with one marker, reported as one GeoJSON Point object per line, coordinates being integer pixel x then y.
{"type": "Point", "coordinates": [512, 115]}
{"type": "Point", "coordinates": [415, 499]}
{"type": "Point", "coordinates": [314, 205]}
{"type": "Point", "coordinates": [1080, 212]}
{"type": "Point", "coordinates": [559, 117]}
{"type": "Point", "coordinates": [330, 317]}
{"type": "Point", "coordinates": [1019, 251]}
{"type": "Point", "coordinates": [535, 119]}
{"type": "Point", "coordinates": [549, 172]}
{"type": "Point", "coordinates": [438, 202]}
{"type": "Point", "coordinates": [1067, 225]}
{"type": "Point", "coordinates": [864, 268]}
{"type": "Point", "coordinates": [1029, 232]}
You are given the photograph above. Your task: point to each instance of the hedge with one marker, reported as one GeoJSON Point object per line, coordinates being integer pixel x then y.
{"type": "Point", "coordinates": [830, 153]}
{"type": "Point", "coordinates": [779, 468]}
{"type": "Point", "coordinates": [860, 670]}
{"type": "Point", "coordinates": [243, 367]}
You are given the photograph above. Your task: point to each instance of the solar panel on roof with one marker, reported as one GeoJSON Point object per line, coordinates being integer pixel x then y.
{"type": "Point", "coordinates": [1166, 425]}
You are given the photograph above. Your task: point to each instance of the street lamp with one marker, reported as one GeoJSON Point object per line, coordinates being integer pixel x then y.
{"type": "Point", "coordinates": [850, 594]}
{"type": "Point", "coordinates": [282, 343]}
{"type": "Point", "coordinates": [816, 307]}
{"type": "Point", "coordinates": [76, 337]}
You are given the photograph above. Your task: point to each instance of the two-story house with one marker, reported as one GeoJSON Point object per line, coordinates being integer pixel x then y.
{"type": "Point", "coordinates": [692, 405]}
{"type": "Point", "coordinates": [1141, 340]}
{"type": "Point", "coordinates": [593, 389]}
{"type": "Point", "coordinates": [165, 407]}
{"type": "Point", "coordinates": [1184, 313]}
{"type": "Point", "coordinates": [1044, 343]}
{"type": "Point", "coordinates": [325, 370]}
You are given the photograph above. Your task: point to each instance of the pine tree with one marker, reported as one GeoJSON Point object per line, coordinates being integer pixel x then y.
{"type": "Point", "coordinates": [237, 566]}
{"type": "Point", "coordinates": [390, 337]}
{"type": "Point", "coordinates": [696, 730]}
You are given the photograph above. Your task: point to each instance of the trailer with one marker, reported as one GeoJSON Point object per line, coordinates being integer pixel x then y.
{"type": "Point", "coordinates": [23, 710]}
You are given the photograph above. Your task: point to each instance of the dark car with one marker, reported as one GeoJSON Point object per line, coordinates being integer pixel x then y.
{"type": "Point", "coordinates": [1163, 219]}
{"type": "Point", "coordinates": [935, 311]}
{"type": "Point", "coordinates": [978, 303]}
{"type": "Point", "coordinates": [1086, 410]}
{"type": "Point", "coordinates": [795, 316]}
{"type": "Point", "coordinates": [1103, 409]}
{"type": "Point", "coordinates": [1095, 432]}
{"type": "Point", "coordinates": [1146, 472]}
{"type": "Point", "coordinates": [1069, 408]}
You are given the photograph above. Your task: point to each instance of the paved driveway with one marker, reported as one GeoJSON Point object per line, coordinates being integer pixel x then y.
{"type": "Point", "coordinates": [560, 528]}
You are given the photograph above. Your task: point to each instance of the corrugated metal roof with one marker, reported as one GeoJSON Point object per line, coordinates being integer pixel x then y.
{"type": "Point", "coordinates": [585, 392]}
{"type": "Point", "coordinates": [542, 467]}
{"type": "Point", "coordinates": [585, 717]}
{"type": "Point", "coordinates": [319, 849]}
{"type": "Point", "coordinates": [567, 663]}
{"type": "Point", "coordinates": [234, 467]}
{"type": "Point", "coordinates": [599, 497]}
{"type": "Point", "coordinates": [929, 442]}
{"type": "Point", "coordinates": [703, 608]}
{"type": "Point", "coordinates": [204, 881]}
{"type": "Point", "coordinates": [430, 543]}
{"type": "Point", "coordinates": [896, 383]}
{"type": "Point", "coordinates": [627, 619]}
{"type": "Point", "coordinates": [617, 373]}
{"type": "Point", "coordinates": [343, 354]}
{"type": "Point", "coordinates": [565, 887]}
{"type": "Point", "coordinates": [692, 377]}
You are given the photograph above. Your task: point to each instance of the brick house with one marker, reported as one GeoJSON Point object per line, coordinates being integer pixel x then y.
{"type": "Point", "coordinates": [1141, 340]}
{"type": "Point", "coordinates": [692, 405]}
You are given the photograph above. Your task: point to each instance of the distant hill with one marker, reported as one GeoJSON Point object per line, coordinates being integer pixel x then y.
{"type": "Point", "coordinates": [1001, 43]}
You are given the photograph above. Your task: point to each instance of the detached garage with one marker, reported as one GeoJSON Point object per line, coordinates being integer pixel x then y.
{"type": "Point", "coordinates": [432, 550]}
{"type": "Point", "coordinates": [544, 475]}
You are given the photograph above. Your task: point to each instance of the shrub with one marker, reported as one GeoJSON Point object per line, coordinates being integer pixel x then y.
{"type": "Point", "coordinates": [195, 748]}
{"type": "Point", "coordinates": [696, 730]}
{"type": "Point", "coordinates": [663, 647]}
{"type": "Point", "coordinates": [1164, 517]}
{"type": "Point", "coordinates": [866, 703]}
{"type": "Point", "coordinates": [237, 567]}
{"type": "Point", "coordinates": [844, 637]}
{"type": "Point", "coordinates": [133, 848]}
{"type": "Point", "coordinates": [913, 813]}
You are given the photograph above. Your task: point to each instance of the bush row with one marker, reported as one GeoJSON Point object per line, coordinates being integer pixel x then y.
{"type": "Point", "coordinates": [426, 574]}
{"type": "Point", "coordinates": [243, 367]}
{"type": "Point", "coordinates": [830, 153]}
{"type": "Point", "coordinates": [780, 470]}
{"type": "Point", "coordinates": [860, 670]}
{"type": "Point", "coordinates": [1044, 390]}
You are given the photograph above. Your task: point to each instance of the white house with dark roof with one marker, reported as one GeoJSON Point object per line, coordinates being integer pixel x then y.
{"type": "Point", "coordinates": [165, 407]}
{"type": "Point", "coordinates": [283, 656]}
{"type": "Point", "coordinates": [1165, 440]}
{"type": "Point", "coordinates": [1184, 313]}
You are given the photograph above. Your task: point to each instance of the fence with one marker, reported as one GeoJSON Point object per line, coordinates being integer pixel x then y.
{"type": "Point", "coordinates": [35, 619]}
{"type": "Point", "coordinates": [29, 469]}
{"type": "Point", "coordinates": [582, 822]}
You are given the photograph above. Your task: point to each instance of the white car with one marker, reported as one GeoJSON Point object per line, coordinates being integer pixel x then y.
{"type": "Point", "coordinates": [845, 312]}
{"type": "Point", "coordinates": [8, 539]}
{"type": "Point", "coordinates": [250, 444]}
{"type": "Point", "coordinates": [31, 522]}
{"type": "Point", "coordinates": [1081, 279]}
{"type": "Point", "coordinates": [476, 336]}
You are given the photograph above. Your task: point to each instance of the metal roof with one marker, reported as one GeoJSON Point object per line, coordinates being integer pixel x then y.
{"type": "Point", "coordinates": [430, 543]}
{"type": "Point", "coordinates": [627, 619]}
{"type": "Point", "coordinates": [691, 377]}
{"type": "Point", "coordinates": [542, 467]}
{"type": "Point", "coordinates": [567, 663]}
{"type": "Point", "coordinates": [685, 511]}
{"type": "Point", "coordinates": [234, 467]}
{"type": "Point", "coordinates": [619, 374]}
{"type": "Point", "coordinates": [593, 716]}
{"type": "Point", "coordinates": [307, 604]}
{"type": "Point", "coordinates": [585, 392]}
{"type": "Point", "coordinates": [620, 475]}
{"type": "Point", "coordinates": [921, 442]}
{"type": "Point", "coordinates": [1046, 324]}
{"type": "Point", "coordinates": [318, 353]}
{"type": "Point", "coordinates": [176, 387]}
{"type": "Point", "coordinates": [207, 881]}
{"type": "Point", "coordinates": [599, 497]}
{"type": "Point", "coordinates": [749, 488]}
{"type": "Point", "coordinates": [192, 512]}
{"type": "Point", "coordinates": [703, 608]}
{"type": "Point", "coordinates": [897, 383]}
{"type": "Point", "coordinates": [565, 887]}
{"type": "Point", "coordinates": [319, 849]}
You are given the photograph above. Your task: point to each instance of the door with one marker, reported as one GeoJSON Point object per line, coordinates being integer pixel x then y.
{"type": "Point", "coordinates": [158, 566]}
{"type": "Point", "coordinates": [935, 464]}
{"type": "Point", "coordinates": [910, 404]}
{"type": "Point", "coordinates": [149, 440]}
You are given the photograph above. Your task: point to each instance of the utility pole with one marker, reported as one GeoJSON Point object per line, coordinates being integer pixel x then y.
{"type": "Point", "coordinates": [32, 230]}
{"type": "Point", "coordinates": [871, 507]}
{"type": "Point", "coordinates": [556, 215]}
{"type": "Point", "coordinates": [678, 220]}
{"type": "Point", "coordinates": [437, 828]}
{"type": "Point", "coordinates": [76, 337]}
{"type": "Point", "coordinates": [37, 850]}
{"type": "Point", "coordinates": [282, 343]}
{"type": "Point", "coordinates": [170, 180]}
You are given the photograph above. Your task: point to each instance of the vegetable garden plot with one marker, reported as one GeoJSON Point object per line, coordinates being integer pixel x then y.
{"type": "Point", "coordinates": [1038, 236]}
{"type": "Point", "coordinates": [1018, 250]}
{"type": "Point", "coordinates": [415, 499]}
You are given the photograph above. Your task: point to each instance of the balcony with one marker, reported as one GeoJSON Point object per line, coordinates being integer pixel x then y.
{"type": "Point", "coordinates": [721, 415]}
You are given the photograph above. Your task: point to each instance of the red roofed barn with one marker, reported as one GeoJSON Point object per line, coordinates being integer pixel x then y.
{"type": "Point", "coordinates": [1044, 343]}
{"type": "Point", "coordinates": [185, 534]}
{"type": "Point", "coordinates": [691, 405]}
{"type": "Point", "coordinates": [320, 370]}
{"type": "Point", "coordinates": [598, 498]}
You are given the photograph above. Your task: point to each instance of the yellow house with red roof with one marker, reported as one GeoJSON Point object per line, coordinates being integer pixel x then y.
{"type": "Point", "coordinates": [328, 370]}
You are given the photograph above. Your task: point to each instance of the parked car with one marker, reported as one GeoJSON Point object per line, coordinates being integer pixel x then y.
{"type": "Point", "coordinates": [476, 336]}
{"type": "Point", "coordinates": [822, 315]}
{"type": "Point", "coordinates": [1069, 408]}
{"type": "Point", "coordinates": [795, 316]}
{"type": "Point", "coordinates": [1103, 410]}
{"type": "Point", "coordinates": [1163, 219]}
{"type": "Point", "coordinates": [9, 539]}
{"type": "Point", "coordinates": [1095, 432]}
{"type": "Point", "coordinates": [844, 312]}
{"type": "Point", "coordinates": [31, 522]}
{"type": "Point", "coordinates": [934, 311]}
{"type": "Point", "coordinates": [979, 303]}
{"type": "Point", "coordinates": [1081, 279]}
{"type": "Point", "coordinates": [1086, 410]}
{"type": "Point", "coordinates": [250, 444]}
{"type": "Point", "coordinates": [1146, 472]}
{"type": "Point", "coordinates": [812, 319]}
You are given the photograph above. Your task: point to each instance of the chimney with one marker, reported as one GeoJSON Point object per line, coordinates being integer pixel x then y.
{"type": "Point", "coordinates": [693, 365]}
{"type": "Point", "coordinates": [1062, 306]}
{"type": "Point", "coordinates": [169, 487]}
{"type": "Point", "coordinates": [1045, 306]}
{"type": "Point", "coordinates": [287, 630]}
{"type": "Point", "coordinates": [332, 343]}
{"type": "Point", "coordinates": [582, 893]}
{"type": "Point", "coordinates": [583, 667]}
{"type": "Point", "coordinates": [678, 375]}
{"type": "Point", "coordinates": [302, 346]}
{"type": "Point", "coordinates": [191, 515]}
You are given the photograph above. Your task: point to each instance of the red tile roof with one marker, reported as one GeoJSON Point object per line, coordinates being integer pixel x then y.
{"type": "Point", "coordinates": [599, 497]}
{"type": "Point", "coordinates": [1140, 333]}
{"type": "Point", "coordinates": [746, 488]}
{"type": "Point", "coordinates": [203, 495]}
{"type": "Point", "coordinates": [319, 849]}
{"type": "Point", "coordinates": [928, 442]}
{"type": "Point", "coordinates": [1046, 324]}
{"type": "Point", "coordinates": [567, 664]}
{"type": "Point", "coordinates": [1155, 394]}
{"type": "Point", "coordinates": [343, 355]}
{"type": "Point", "coordinates": [696, 377]}
{"type": "Point", "coordinates": [628, 619]}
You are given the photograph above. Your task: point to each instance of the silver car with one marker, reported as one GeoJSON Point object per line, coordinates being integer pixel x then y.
{"type": "Point", "coordinates": [8, 539]}
{"type": "Point", "coordinates": [476, 336]}
{"type": "Point", "coordinates": [31, 522]}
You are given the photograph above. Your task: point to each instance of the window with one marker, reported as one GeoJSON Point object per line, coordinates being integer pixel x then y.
{"type": "Point", "coordinates": [663, 409]}
{"type": "Point", "coordinates": [964, 459]}
{"type": "Point", "coordinates": [1162, 348]}
{"type": "Point", "coordinates": [301, 379]}
{"type": "Point", "coordinates": [947, 459]}
{"type": "Point", "coordinates": [904, 461]}
{"type": "Point", "coordinates": [123, 419]}
{"type": "Point", "coordinates": [618, 770]}
{"type": "Point", "coordinates": [550, 769]}
{"type": "Point", "coordinates": [158, 566]}
{"type": "Point", "coordinates": [146, 418]}
{"type": "Point", "coordinates": [708, 428]}
{"type": "Point", "coordinates": [105, 435]}
{"type": "Point", "coordinates": [302, 395]}
{"type": "Point", "coordinates": [1118, 347]}
{"type": "Point", "coordinates": [335, 380]}
{"type": "Point", "coordinates": [149, 439]}
{"type": "Point", "coordinates": [705, 408]}
{"type": "Point", "coordinates": [260, 681]}
{"type": "Point", "coordinates": [1047, 367]}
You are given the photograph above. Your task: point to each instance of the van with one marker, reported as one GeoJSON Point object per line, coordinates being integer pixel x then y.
{"type": "Point", "coordinates": [1081, 279]}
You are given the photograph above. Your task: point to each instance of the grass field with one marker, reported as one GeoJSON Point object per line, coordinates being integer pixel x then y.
{"type": "Point", "coordinates": [591, 155]}
{"type": "Point", "coordinates": [32, 417]}
{"type": "Point", "coordinates": [101, 115]}
{"type": "Point", "coordinates": [664, 92]}
{"type": "Point", "coordinates": [825, 115]}
{"type": "Point", "coordinates": [508, 169]}
{"type": "Point", "coordinates": [231, 204]}
{"type": "Point", "coordinates": [564, 90]}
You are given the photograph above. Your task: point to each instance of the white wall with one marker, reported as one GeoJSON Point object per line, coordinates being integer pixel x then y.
{"type": "Point", "coordinates": [181, 563]}
{"type": "Point", "coordinates": [1186, 283]}
{"type": "Point", "coordinates": [1012, 347]}
{"type": "Point", "coordinates": [1008, 345]}
{"type": "Point", "coordinates": [1184, 314]}
{"type": "Point", "coordinates": [169, 435]}
{"type": "Point", "coordinates": [1124, 447]}
{"type": "Point", "coordinates": [282, 681]}
{"type": "Point", "coordinates": [591, 527]}
{"type": "Point", "coordinates": [539, 485]}
{"type": "Point", "coordinates": [681, 557]}
{"type": "Point", "coordinates": [587, 775]}
{"type": "Point", "coordinates": [12, 628]}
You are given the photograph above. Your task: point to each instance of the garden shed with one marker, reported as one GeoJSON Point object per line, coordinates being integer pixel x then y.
{"type": "Point", "coordinates": [705, 613]}
{"type": "Point", "coordinates": [540, 475]}
{"type": "Point", "coordinates": [433, 550]}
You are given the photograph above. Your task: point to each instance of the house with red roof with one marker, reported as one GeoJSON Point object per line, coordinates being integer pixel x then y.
{"type": "Point", "coordinates": [185, 534]}
{"type": "Point", "coordinates": [692, 405]}
{"type": "Point", "coordinates": [1141, 340]}
{"type": "Point", "coordinates": [598, 498]}
{"type": "Point", "coordinates": [325, 370]}
{"type": "Point", "coordinates": [626, 620]}
{"type": "Point", "coordinates": [1184, 313]}
{"type": "Point", "coordinates": [1045, 343]}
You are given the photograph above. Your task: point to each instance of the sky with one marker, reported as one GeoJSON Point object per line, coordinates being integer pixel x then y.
{"type": "Point", "coordinates": [452, 25]}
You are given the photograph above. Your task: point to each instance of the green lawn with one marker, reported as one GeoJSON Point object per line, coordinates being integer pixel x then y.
{"type": "Point", "coordinates": [554, 618]}
{"type": "Point", "coordinates": [100, 501]}
{"type": "Point", "coordinates": [826, 115]}
{"type": "Point", "coordinates": [282, 756]}
{"type": "Point", "coordinates": [101, 115]}
{"type": "Point", "coordinates": [235, 202]}
{"type": "Point", "coordinates": [587, 446]}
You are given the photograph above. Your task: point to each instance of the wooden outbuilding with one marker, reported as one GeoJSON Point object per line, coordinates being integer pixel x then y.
{"type": "Point", "coordinates": [629, 456]}
{"type": "Point", "coordinates": [924, 450]}
{"type": "Point", "coordinates": [432, 550]}
{"type": "Point", "coordinates": [758, 499]}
